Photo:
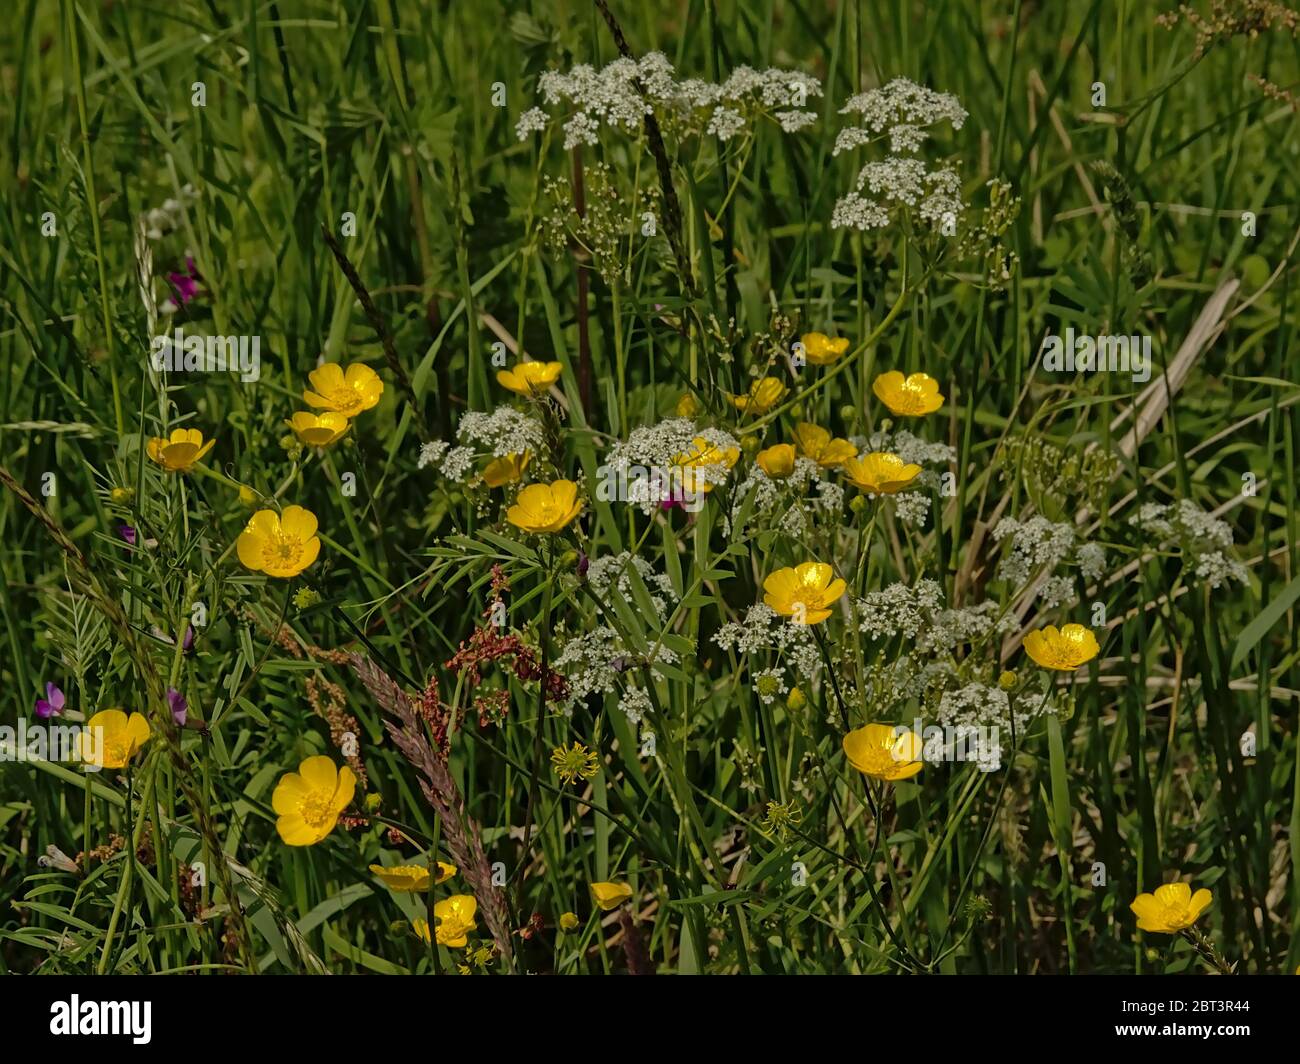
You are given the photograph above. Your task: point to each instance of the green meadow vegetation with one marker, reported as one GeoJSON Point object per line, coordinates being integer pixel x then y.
{"type": "Point", "coordinates": [599, 488]}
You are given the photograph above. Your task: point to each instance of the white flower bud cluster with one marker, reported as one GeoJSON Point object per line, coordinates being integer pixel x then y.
{"type": "Point", "coordinates": [502, 432]}
{"type": "Point", "coordinates": [619, 95]}
{"type": "Point", "coordinates": [1203, 539]}
{"type": "Point", "coordinates": [900, 112]}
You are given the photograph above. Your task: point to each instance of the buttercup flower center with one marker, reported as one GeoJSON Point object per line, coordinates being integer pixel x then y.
{"type": "Point", "coordinates": [316, 809]}
{"type": "Point", "coordinates": [283, 550]}
{"type": "Point", "coordinates": [116, 750]}
{"type": "Point", "coordinates": [345, 398]}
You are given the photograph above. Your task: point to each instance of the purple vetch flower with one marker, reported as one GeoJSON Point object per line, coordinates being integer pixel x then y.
{"type": "Point", "coordinates": [187, 644]}
{"type": "Point", "coordinates": [52, 704]}
{"type": "Point", "coordinates": [186, 284]}
{"type": "Point", "coordinates": [180, 708]}
{"type": "Point", "coordinates": [127, 532]}
{"type": "Point", "coordinates": [583, 563]}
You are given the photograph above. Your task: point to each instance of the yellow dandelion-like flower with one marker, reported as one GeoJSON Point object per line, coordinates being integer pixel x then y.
{"type": "Point", "coordinates": [280, 545]}
{"type": "Point", "coordinates": [883, 752]}
{"type": "Point", "coordinates": [822, 350]}
{"type": "Point", "coordinates": [318, 430]}
{"type": "Point", "coordinates": [111, 738]}
{"type": "Point", "coordinates": [347, 392]}
{"type": "Point", "coordinates": [411, 878]}
{"type": "Point", "coordinates": [913, 396]}
{"type": "Point", "coordinates": [816, 443]}
{"type": "Point", "coordinates": [702, 454]}
{"type": "Point", "coordinates": [574, 763]}
{"type": "Point", "coordinates": [545, 508]}
{"type": "Point", "coordinates": [880, 473]}
{"type": "Point", "coordinates": [530, 378]}
{"type": "Point", "coordinates": [610, 895]}
{"type": "Point", "coordinates": [455, 917]}
{"type": "Point", "coordinates": [804, 593]}
{"type": "Point", "coordinates": [568, 922]}
{"type": "Point", "coordinates": [179, 451]}
{"type": "Point", "coordinates": [508, 469]}
{"type": "Point", "coordinates": [762, 396]}
{"type": "Point", "coordinates": [1064, 649]}
{"type": "Point", "coordinates": [308, 802]}
{"type": "Point", "coordinates": [1171, 908]}
{"type": "Point", "coordinates": [776, 461]}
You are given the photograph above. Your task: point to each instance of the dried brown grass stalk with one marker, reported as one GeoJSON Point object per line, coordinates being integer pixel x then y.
{"type": "Point", "coordinates": [464, 841]}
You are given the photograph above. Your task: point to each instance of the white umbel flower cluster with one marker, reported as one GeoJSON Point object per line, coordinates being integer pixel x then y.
{"type": "Point", "coordinates": [1203, 539]}
{"type": "Point", "coordinates": [901, 112]}
{"type": "Point", "coordinates": [604, 571]}
{"type": "Point", "coordinates": [918, 615]}
{"type": "Point", "coordinates": [642, 465]}
{"type": "Point", "coordinates": [763, 630]}
{"type": "Point", "coordinates": [502, 432]}
{"type": "Point", "coordinates": [610, 98]}
{"type": "Point", "coordinates": [1040, 546]}
{"type": "Point", "coordinates": [806, 494]}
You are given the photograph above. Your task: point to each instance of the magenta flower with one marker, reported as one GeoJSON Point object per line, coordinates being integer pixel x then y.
{"type": "Point", "coordinates": [180, 708]}
{"type": "Point", "coordinates": [52, 704]}
{"type": "Point", "coordinates": [186, 284]}
{"type": "Point", "coordinates": [127, 533]}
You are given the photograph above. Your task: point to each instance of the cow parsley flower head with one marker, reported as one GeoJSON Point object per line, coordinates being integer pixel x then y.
{"type": "Point", "coordinates": [615, 569]}
{"type": "Point", "coordinates": [902, 113]}
{"type": "Point", "coordinates": [619, 95]}
{"type": "Point", "coordinates": [1202, 539]}
{"type": "Point", "coordinates": [505, 431]}
{"type": "Point", "coordinates": [903, 102]}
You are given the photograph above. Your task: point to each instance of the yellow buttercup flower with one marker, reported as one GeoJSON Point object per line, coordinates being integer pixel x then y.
{"type": "Point", "coordinates": [804, 592]}
{"type": "Point", "coordinates": [776, 461]}
{"type": "Point", "coordinates": [822, 350]}
{"type": "Point", "coordinates": [530, 378]}
{"type": "Point", "coordinates": [880, 473]}
{"type": "Point", "coordinates": [318, 430]}
{"type": "Point", "coordinates": [111, 738]}
{"type": "Point", "coordinates": [762, 396]}
{"type": "Point", "coordinates": [506, 470]}
{"type": "Point", "coordinates": [280, 545]}
{"type": "Point", "coordinates": [411, 877]}
{"type": "Point", "coordinates": [455, 916]}
{"type": "Point", "coordinates": [610, 895]}
{"type": "Point", "coordinates": [568, 922]}
{"type": "Point", "coordinates": [180, 450]}
{"type": "Point", "coordinates": [686, 406]}
{"type": "Point", "coordinates": [912, 396]}
{"type": "Point", "coordinates": [309, 801]}
{"type": "Point", "coordinates": [1065, 649]}
{"type": "Point", "coordinates": [343, 392]}
{"type": "Point", "coordinates": [884, 753]}
{"type": "Point", "coordinates": [1171, 908]}
{"type": "Point", "coordinates": [545, 507]}
{"type": "Point", "coordinates": [701, 455]}
{"type": "Point", "coordinates": [574, 763]}
{"type": "Point", "coordinates": [816, 443]}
